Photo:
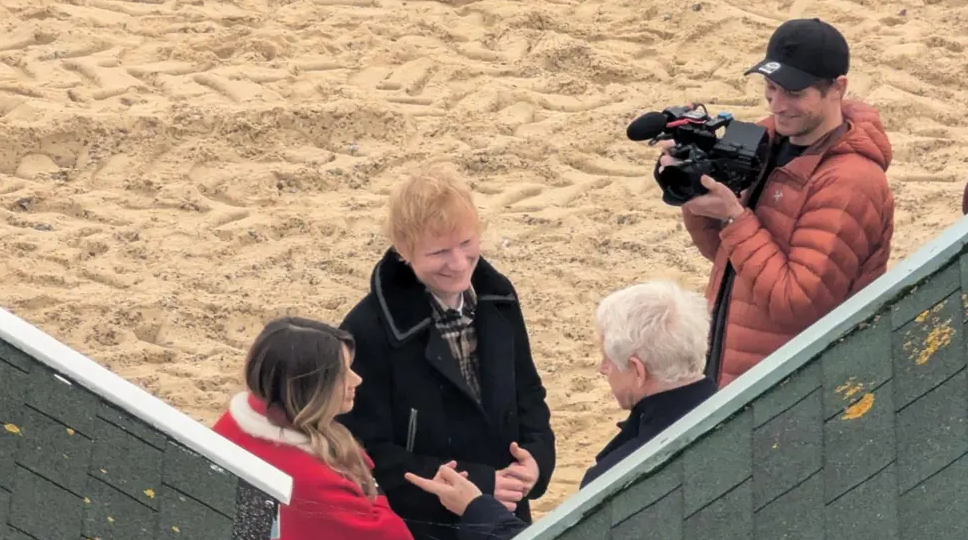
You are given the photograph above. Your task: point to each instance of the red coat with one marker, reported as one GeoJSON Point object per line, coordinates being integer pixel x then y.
{"type": "Point", "coordinates": [324, 505]}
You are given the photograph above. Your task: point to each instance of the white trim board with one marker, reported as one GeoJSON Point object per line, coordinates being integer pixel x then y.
{"type": "Point", "coordinates": [743, 390]}
{"type": "Point", "coordinates": [177, 425]}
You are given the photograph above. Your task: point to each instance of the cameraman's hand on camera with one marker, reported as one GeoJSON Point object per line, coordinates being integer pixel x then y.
{"type": "Point", "coordinates": [720, 203]}
{"type": "Point", "coordinates": [665, 159]}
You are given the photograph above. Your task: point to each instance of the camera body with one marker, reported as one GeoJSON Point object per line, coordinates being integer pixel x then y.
{"type": "Point", "coordinates": [734, 160]}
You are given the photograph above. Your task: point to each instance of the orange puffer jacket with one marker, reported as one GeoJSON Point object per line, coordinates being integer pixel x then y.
{"type": "Point", "coordinates": [821, 232]}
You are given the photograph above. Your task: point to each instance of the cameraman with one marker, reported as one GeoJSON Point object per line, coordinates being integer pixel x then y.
{"type": "Point", "coordinates": [817, 226]}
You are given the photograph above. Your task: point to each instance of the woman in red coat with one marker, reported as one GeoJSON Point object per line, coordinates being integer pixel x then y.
{"type": "Point", "coordinates": [299, 378]}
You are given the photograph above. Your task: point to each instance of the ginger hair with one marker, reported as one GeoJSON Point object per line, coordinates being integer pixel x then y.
{"type": "Point", "coordinates": [434, 202]}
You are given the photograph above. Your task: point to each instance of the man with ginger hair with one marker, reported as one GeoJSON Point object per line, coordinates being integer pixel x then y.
{"type": "Point", "coordinates": [445, 358]}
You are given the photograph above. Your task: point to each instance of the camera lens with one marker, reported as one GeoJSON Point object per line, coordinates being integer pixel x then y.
{"type": "Point", "coordinates": [676, 182]}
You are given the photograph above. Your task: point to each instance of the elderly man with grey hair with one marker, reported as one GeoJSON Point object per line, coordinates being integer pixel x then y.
{"type": "Point", "coordinates": [653, 338]}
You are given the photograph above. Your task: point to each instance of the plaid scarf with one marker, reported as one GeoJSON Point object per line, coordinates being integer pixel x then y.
{"type": "Point", "coordinates": [457, 327]}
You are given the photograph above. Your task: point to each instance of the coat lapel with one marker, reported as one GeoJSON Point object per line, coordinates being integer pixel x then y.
{"type": "Point", "coordinates": [495, 350]}
{"type": "Point", "coordinates": [442, 359]}
{"type": "Point", "coordinates": [405, 305]}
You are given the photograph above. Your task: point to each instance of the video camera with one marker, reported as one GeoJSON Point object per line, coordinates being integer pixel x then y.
{"type": "Point", "coordinates": [734, 160]}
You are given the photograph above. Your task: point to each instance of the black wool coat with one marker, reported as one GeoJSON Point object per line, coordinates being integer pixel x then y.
{"type": "Point", "coordinates": [413, 410]}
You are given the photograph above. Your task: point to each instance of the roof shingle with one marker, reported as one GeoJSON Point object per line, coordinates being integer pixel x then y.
{"type": "Point", "coordinates": [74, 466]}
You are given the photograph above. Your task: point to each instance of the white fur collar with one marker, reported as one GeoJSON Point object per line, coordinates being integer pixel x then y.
{"type": "Point", "coordinates": [259, 426]}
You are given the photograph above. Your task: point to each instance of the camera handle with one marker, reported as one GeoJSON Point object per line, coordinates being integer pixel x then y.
{"type": "Point", "coordinates": [661, 137]}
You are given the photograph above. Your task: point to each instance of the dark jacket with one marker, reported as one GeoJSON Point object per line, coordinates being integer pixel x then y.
{"type": "Point", "coordinates": [413, 410]}
{"type": "Point", "coordinates": [487, 519]}
{"type": "Point", "coordinates": [649, 417]}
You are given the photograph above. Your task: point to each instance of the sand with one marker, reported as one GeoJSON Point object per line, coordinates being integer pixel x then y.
{"type": "Point", "coordinates": [174, 173]}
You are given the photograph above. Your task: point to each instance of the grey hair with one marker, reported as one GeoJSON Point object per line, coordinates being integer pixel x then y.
{"type": "Point", "coordinates": [660, 323]}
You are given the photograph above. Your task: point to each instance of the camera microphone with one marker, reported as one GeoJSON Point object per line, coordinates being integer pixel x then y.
{"type": "Point", "coordinates": [734, 160]}
{"type": "Point", "coordinates": [647, 127]}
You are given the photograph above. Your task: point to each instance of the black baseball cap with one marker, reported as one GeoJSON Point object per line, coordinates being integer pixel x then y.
{"type": "Point", "coordinates": [803, 52]}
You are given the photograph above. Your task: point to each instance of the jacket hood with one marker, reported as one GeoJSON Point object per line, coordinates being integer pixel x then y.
{"type": "Point", "coordinates": [250, 415]}
{"type": "Point", "coordinates": [866, 135]}
{"type": "Point", "coordinates": [254, 419]}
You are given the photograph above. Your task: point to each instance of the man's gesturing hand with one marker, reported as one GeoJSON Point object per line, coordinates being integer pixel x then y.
{"type": "Point", "coordinates": [514, 482]}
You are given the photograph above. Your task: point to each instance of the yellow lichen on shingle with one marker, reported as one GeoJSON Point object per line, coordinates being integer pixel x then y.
{"type": "Point", "coordinates": [939, 334]}
{"type": "Point", "coordinates": [938, 338]}
{"type": "Point", "coordinates": [849, 388]}
{"type": "Point", "coordinates": [860, 408]}
{"type": "Point", "coordinates": [923, 316]}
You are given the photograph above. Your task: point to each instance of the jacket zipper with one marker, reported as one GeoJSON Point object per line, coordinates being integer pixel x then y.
{"type": "Point", "coordinates": [412, 430]}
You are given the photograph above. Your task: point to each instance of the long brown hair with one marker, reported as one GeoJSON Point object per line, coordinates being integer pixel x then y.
{"type": "Point", "coordinates": [296, 366]}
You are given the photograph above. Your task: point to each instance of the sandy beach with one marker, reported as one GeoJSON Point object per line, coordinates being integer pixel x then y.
{"type": "Point", "coordinates": [173, 173]}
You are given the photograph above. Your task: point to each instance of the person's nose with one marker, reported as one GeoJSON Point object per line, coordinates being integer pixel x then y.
{"type": "Point", "coordinates": [458, 260]}
{"type": "Point", "coordinates": [778, 105]}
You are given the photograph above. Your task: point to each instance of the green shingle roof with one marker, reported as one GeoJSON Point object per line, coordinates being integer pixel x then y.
{"type": "Point", "coordinates": [857, 429]}
{"type": "Point", "coordinates": [81, 461]}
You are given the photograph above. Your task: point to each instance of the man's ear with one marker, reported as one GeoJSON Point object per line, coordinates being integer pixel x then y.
{"type": "Point", "coordinates": [636, 364]}
{"type": "Point", "coordinates": [842, 86]}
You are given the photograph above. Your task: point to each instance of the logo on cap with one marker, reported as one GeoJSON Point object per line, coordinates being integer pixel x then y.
{"type": "Point", "coordinates": [769, 67]}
